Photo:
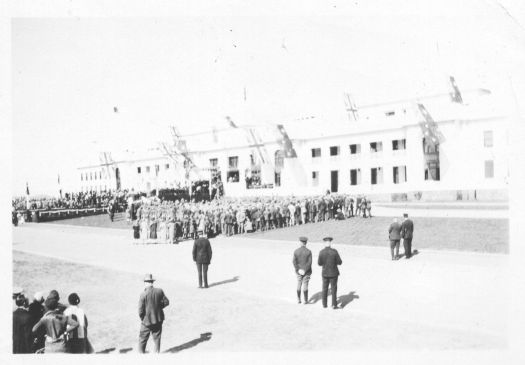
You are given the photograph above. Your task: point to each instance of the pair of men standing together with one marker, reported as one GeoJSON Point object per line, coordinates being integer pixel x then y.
{"type": "Point", "coordinates": [329, 259]}
{"type": "Point", "coordinates": [397, 231]}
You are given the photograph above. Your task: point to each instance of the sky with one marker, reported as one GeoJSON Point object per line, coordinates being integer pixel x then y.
{"type": "Point", "coordinates": [68, 74]}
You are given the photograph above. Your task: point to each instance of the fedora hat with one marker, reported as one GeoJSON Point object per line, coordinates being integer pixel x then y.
{"type": "Point", "coordinates": [149, 278]}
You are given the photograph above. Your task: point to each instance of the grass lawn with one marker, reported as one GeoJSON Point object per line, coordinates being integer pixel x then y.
{"type": "Point", "coordinates": [464, 234]}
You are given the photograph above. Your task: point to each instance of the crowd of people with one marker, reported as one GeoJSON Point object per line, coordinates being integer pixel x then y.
{"type": "Point", "coordinates": [78, 200]}
{"type": "Point", "coordinates": [47, 325]}
{"type": "Point", "coordinates": [156, 221]}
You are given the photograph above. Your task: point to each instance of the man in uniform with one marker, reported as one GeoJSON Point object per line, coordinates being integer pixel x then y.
{"type": "Point", "coordinates": [202, 256]}
{"type": "Point", "coordinates": [151, 304]}
{"type": "Point", "coordinates": [407, 232]}
{"type": "Point", "coordinates": [302, 262]}
{"type": "Point", "coordinates": [329, 259]}
{"type": "Point", "coordinates": [394, 234]}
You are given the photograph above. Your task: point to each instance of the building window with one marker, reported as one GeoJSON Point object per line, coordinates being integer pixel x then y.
{"type": "Point", "coordinates": [316, 152]}
{"type": "Point", "coordinates": [488, 138]}
{"type": "Point", "coordinates": [355, 176]}
{"type": "Point", "coordinates": [147, 169]}
{"type": "Point", "coordinates": [167, 166]}
{"type": "Point", "coordinates": [376, 175]}
{"type": "Point", "coordinates": [376, 147]}
{"type": "Point", "coordinates": [399, 144]}
{"type": "Point", "coordinates": [355, 149]}
{"type": "Point", "coordinates": [334, 151]}
{"type": "Point", "coordinates": [233, 176]}
{"type": "Point", "coordinates": [139, 170]}
{"type": "Point", "coordinates": [214, 162]}
{"type": "Point", "coordinates": [233, 162]}
{"type": "Point", "coordinates": [489, 169]}
{"type": "Point", "coordinates": [400, 174]}
{"type": "Point", "coordinates": [315, 178]}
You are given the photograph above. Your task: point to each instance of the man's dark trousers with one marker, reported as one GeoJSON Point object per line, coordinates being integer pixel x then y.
{"type": "Point", "coordinates": [333, 285]}
{"type": "Point", "coordinates": [156, 332]}
{"type": "Point", "coordinates": [407, 244]}
{"type": "Point", "coordinates": [203, 274]}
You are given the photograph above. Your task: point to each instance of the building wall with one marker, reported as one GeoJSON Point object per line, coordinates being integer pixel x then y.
{"type": "Point", "coordinates": [462, 164]}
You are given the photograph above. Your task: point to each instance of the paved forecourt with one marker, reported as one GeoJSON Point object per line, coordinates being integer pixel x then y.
{"type": "Point", "coordinates": [437, 300]}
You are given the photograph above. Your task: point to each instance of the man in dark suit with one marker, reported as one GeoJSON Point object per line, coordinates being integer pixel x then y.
{"type": "Point", "coordinates": [394, 234]}
{"type": "Point", "coordinates": [151, 304]}
{"type": "Point", "coordinates": [22, 326]}
{"type": "Point", "coordinates": [329, 259]}
{"type": "Point", "coordinates": [302, 262]}
{"type": "Point", "coordinates": [407, 232]}
{"type": "Point", "coordinates": [202, 256]}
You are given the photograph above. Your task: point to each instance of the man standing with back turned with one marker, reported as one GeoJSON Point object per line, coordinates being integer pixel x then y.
{"type": "Point", "coordinates": [302, 261]}
{"type": "Point", "coordinates": [407, 232]}
{"type": "Point", "coordinates": [202, 257]}
{"type": "Point", "coordinates": [151, 304]}
{"type": "Point", "coordinates": [329, 259]}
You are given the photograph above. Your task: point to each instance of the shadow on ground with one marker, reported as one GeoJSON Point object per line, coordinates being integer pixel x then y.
{"type": "Point", "coordinates": [232, 280]}
{"type": "Point", "coordinates": [342, 300]}
{"type": "Point", "coordinates": [203, 337]}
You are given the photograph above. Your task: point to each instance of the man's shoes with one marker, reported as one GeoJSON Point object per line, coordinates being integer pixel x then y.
{"type": "Point", "coordinates": [298, 301]}
{"type": "Point", "coordinates": [205, 286]}
{"type": "Point", "coordinates": [324, 306]}
{"type": "Point", "coordinates": [335, 307]}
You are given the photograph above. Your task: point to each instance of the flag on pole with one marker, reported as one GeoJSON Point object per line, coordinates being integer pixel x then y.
{"type": "Point", "coordinates": [286, 142]}
{"type": "Point", "coordinates": [351, 108]}
{"type": "Point", "coordinates": [230, 121]}
{"type": "Point", "coordinates": [455, 95]}
{"type": "Point", "coordinates": [429, 127]}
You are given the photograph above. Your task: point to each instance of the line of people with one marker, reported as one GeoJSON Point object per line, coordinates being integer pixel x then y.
{"type": "Point", "coordinates": [156, 221]}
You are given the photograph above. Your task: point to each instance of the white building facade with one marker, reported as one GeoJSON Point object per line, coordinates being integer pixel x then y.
{"type": "Point", "coordinates": [380, 155]}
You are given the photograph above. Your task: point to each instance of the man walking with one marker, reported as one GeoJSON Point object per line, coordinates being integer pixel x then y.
{"type": "Point", "coordinates": [302, 262]}
{"type": "Point", "coordinates": [394, 234]}
{"type": "Point", "coordinates": [407, 232]}
{"type": "Point", "coordinates": [151, 304]}
{"type": "Point", "coordinates": [329, 259]}
{"type": "Point", "coordinates": [202, 256]}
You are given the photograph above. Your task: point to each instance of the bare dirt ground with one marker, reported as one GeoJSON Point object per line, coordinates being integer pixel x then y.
{"type": "Point", "coordinates": [438, 300]}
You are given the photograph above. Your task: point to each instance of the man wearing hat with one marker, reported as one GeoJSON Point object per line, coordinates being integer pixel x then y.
{"type": "Point", "coordinates": [151, 304]}
{"type": "Point", "coordinates": [407, 232]}
{"type": "Point", "coordinates": [329, 259]}
{"type": "Point", "coordinates": [302, 261]}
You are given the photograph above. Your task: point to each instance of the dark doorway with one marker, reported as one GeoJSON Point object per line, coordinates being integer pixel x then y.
{"type": "Point", "coordinates": [334, 181]}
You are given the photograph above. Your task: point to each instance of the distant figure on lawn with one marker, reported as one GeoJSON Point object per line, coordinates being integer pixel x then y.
{"type": "Point", "coordinates": [394, 235]}
{"type": "Point", "coordinates": [407, 232]}
{"type": "Point", "coordinates": [202, 256]}
{"type": "Point", "coordinates": [329, 259]}
{"type": "Point", "coordinates": [302, 262]}
{"type": "Point", "coordinates": [151, 312]}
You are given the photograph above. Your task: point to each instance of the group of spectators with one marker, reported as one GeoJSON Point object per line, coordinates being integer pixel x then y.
{"type": "Point", "coordinates": [47, 325]}
{"type": "Point", "coordinates": [156, 221]}
{"type": "Point", "coordinates": [79, 200]}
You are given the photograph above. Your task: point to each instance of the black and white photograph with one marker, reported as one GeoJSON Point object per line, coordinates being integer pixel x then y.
{"type": "Point", "coordinates": [315, 182]}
